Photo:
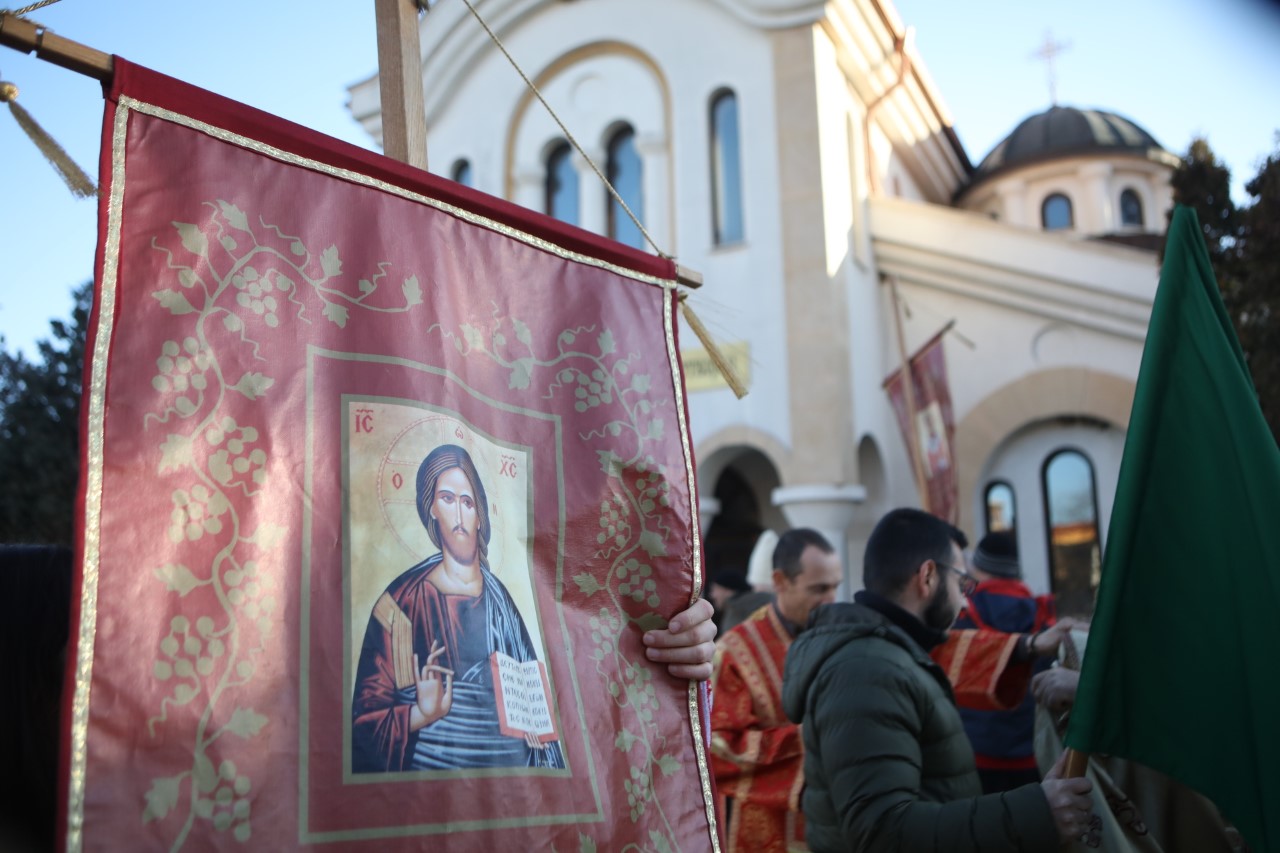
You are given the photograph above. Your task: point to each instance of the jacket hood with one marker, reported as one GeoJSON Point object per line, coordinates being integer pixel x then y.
{"type": "Point", "coordinates": [831, 628]}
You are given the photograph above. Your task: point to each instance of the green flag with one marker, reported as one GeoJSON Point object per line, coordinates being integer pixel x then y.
{"type": "Point", "coordinates": [1181, 668]}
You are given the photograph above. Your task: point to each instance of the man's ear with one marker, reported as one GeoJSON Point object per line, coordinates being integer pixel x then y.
{"type": "Point", "coordinates": [925, 579]}
{"type": "Point", "coordinates": [780, 579]}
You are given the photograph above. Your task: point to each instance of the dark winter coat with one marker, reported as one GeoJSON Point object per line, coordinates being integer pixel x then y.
{"type": "Point", "coordinates": [887, 765]}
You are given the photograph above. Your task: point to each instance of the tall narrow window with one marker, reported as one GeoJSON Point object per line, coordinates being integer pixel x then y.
{"type": "Point", "coordinates": [1055, 213]}
{"type": "Point", "coordinates": [1130, 209]}
{"type": "Point", "coordinates": [625, 173]}
{"type": "Point", "coordinates": [562, 185]}
{"type": "Point", "coordinates": [1000, 508]}
{"type": "Point", "coordinates": [461, 172]}
{"type": "Point", "coordinates": [726, 169]}
{"type": "Point", "coordinates": [1071, 513]}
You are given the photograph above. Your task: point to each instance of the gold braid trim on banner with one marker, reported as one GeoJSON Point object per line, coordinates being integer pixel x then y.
{"type": "Point", "coordinates": [77, 181]}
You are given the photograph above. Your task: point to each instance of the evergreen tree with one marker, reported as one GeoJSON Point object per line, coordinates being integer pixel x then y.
{"type": "Point", "coordinates": [1244, 248]}
{"type": "Point", "coordinates": [1203, 183]}
{"type": "Point", "coordinates": [1255, 297]}
{"type": "Point", "coordinates": [40, 433]}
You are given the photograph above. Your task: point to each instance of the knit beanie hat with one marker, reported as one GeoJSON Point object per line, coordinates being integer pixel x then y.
{"type": "Point", "coordinates": [997, 555]}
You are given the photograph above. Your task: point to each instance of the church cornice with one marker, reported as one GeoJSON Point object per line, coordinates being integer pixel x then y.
{"type": "Point", "coordinates": [1089, 285]}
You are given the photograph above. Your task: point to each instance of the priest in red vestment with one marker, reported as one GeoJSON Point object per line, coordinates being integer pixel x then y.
{"type": "Point", "coordinates": [756, 752]}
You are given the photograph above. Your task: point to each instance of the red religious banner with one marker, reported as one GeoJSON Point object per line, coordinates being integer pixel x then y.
{"type": "Point", "coordinates": [931, 438]}
{"type": "Point", "coordinates": [383, 481]}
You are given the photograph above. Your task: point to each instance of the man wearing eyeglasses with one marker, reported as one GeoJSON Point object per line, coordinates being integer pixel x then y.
{"type": "Point", "coordinates": [887, 763]}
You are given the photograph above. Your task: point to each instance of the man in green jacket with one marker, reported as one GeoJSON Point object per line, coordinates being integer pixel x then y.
{"type": "Point", "coordinates": [887, 764]}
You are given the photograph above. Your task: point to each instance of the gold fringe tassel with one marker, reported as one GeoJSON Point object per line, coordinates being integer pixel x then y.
{"type": "Point", "coordinates": [717, 358]}
{"type": "Point", "coordinates": [77, 181]}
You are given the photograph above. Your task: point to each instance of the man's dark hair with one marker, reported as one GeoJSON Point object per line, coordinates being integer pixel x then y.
{"type": "Point", "coordinates": [901, 541]}
{"type": "Point", "coordinates": [786, 554]}
{"type": "Point", "coordinates": [958, 537]}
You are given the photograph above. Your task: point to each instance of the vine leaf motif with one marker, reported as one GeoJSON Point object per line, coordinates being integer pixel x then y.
{"type": "Point", "coordinates": [253, 385]}
{"type": "Point", "coordinates": [174, 301]}
{"type": "Point", "coordinates": [521, 372]}
{"type": "Point", "coordinates": [412, 291]}
{"type": "Point", "coordinates": [651, 622]}
{"type": "Point", "coordinates": [175, 453]}
{"type": "Point", "coordinates": [235, 216]}
{"type": "Point", "coordinates": [473, 336]}
{"type": "Point", "coordinates": [610, 463]}
{"type": "Point", "coordinates": [205, 774]}
{"type": "Point", "coordinates": [193, 239]}
{"type": "Point", "coordinates": [587, 583]}
{"type": "Point", "coordinates": [523, 334]}
{"type": "Point", "coordinates": [640, 383]}
{"type": "Point", "coordinates": [162, 797]}
{"type": "Point", "coordinates": [330, 262]}
{"type": "Point", "coordinates": [652, 543]}
{"type": "Point", "coordinates": [586, 844]}
{"type": "Point", "coordinates": [660, 842]}
{"type": "Point", "coordinates": [246, 722]}
{"type": "Point", "coordinates": [668, 764]}
{"type": "Point", "coordinates": [606, 342]}
{"type": "Point", "coordinates": [625, 740]}
{"type": "Point", "coordinates": [178, 578]}
{"type": "Point", "coordinates": [267, 536]}
{"type": "Point", "coordinates": [336, 313]}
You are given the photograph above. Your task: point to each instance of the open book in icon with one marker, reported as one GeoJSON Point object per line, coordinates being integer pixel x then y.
{"type": "Point", "coordinates": [523, 694]}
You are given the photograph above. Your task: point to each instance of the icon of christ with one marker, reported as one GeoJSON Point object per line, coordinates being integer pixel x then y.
{"type": "Point", "coordinates": [425, 684]}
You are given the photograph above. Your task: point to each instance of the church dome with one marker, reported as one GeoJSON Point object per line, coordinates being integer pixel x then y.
{"type": "Point", "coordinates": [1070, 132]}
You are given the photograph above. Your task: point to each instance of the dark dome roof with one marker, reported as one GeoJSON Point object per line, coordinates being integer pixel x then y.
{"type": "Point", "coordinates": [1069, 132]}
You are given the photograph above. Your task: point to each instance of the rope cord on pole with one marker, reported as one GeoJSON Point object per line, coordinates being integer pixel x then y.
{"type": "Point", "coordinates": [18, 13]}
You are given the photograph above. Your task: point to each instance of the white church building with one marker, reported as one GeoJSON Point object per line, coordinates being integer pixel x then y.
{"type": "Point", "coordinates": [801, 158]}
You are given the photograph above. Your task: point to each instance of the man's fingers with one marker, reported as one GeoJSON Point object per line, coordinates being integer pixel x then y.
{"type": "Point", "coordinates": [691, 672]}
{"type": "Point", "coordinates": [701, 653]}
{"type": "Point", "coordinates": [700, 612]}
{"type": "Point", "coordinates": [703, 632]}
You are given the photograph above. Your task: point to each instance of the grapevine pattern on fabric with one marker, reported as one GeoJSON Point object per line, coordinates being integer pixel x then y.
{"type": "Point", "coordinates": [250, 279]}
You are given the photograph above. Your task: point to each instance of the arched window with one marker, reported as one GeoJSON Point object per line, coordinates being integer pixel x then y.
{"type": "Point", "coordinates": [461, 172]}
{"type": "Point", "coordinates": [999, 506]}
{"type": "Point", "coordinates": [1055, 213]}
{"type": "Point", "coordinates": [726, 169]}
{"type": "Point", "coordinates": [1071, 520]}
{"type": "Point", "coordinates": [1130, 209]}
{"type": "Point", "coordinates": [562, 184]}
{"type": "Point", "coordinates": [625, 173]}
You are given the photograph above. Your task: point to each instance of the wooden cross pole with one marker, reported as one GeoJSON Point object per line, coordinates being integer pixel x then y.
{"type": "Point", "coordinates": [404, 118]}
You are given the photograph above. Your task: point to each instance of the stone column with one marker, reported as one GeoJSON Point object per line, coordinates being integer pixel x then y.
{"type": "Point", "coordinates": [529, 189]}
{"type": "Point", "coordinates": [652, 148]}
{"type": "Point", "coordinates": [1013, 203]}
{"type": "Point", "coordinates": [593, 198]}
{"type": "Point", "coordinates": [1097, 215]}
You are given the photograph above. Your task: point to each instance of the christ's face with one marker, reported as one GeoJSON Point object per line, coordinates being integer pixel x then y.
{"type": "Point", "coordinates": [454, 509]}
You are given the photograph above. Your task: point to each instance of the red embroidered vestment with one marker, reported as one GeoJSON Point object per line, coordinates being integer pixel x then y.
{"type": "Point", "coordinates": [756, 752]}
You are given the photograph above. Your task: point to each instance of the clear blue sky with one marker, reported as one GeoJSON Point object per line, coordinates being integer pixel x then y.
{"type": "Point", "coordinates": [1176, 67]}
